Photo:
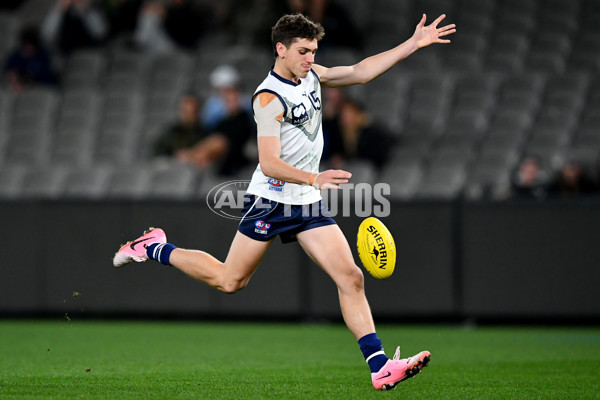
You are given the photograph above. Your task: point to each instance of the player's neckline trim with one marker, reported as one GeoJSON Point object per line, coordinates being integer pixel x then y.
{"type": "Point", "coordinates": [282, 79]}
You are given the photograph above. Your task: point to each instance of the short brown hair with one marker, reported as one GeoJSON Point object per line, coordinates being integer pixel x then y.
{"type": "Point", "coordinates": [291, 27]}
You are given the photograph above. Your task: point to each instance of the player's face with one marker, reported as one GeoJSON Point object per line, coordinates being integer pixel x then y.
{"type": "Point", "coordinates": [299, 57]}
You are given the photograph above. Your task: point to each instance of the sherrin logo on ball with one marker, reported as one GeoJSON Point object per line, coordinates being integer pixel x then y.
{"type": "Point", "coordinates": [376, 248]}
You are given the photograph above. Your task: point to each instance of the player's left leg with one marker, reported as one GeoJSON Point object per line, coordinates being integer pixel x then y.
{"type": "Point", "coordinates": [328, 247]}
{"type": "Point", "coordinates": [229, 276]}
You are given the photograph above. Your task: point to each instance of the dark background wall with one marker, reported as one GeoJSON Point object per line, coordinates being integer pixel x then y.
{"type": "Point", "coordinates": [455, 260]}
{"type": "Point", "coordinates": [530, 259]}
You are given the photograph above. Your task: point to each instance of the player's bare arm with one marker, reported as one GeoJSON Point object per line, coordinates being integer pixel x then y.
{"type": "Point", "coordinates": [269, 150]}
{"type": "Point", "coordinates": [371, 67]}
{"type": "Point", "coordinates": [268, 111]}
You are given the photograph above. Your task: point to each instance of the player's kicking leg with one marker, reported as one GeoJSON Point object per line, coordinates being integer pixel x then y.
{"type": "Point", "coordinates": [230, 276]}
{"type": "Point", "coordinates": [385, 373]}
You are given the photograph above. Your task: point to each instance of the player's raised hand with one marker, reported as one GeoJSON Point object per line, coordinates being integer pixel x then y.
{"type": "Point", "coordinates": [426, 35]}
{"type": "Point", "coordinates": [331, 179]}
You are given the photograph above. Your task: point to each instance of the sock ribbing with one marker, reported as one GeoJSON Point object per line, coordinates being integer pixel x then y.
{"type": "Point", "coordinates": [160, 252]}
{"type": "Point", "coordinates": [372, 350]}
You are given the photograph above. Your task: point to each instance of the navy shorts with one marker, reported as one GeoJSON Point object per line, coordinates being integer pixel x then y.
{"type": "Point", "coordinates": [263, 219]}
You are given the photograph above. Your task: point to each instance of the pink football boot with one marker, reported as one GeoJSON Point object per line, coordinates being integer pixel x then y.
{"type": "Point", "coordinates": [136, 250]}
{"type": "Point", "coordinates": [395, 370]}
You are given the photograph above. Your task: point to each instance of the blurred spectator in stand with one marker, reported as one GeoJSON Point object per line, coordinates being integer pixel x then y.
{"type": "Point", "coordinates": [529, 181]}
{"type": "Point", "coordinates": [572, 181]}
{"type": "Point", "coordinates": [184, 133]}
{"type": "Point", "coordinates": [122, 16]}
{"type": "Point", "coordinates": [360, 138]}
{"type": "Point", "coordinates": [341, 30]}
{"type": "Point", "coordinates": [30, 63]}
{"type": "Point", "coordinates": [150, 35]}
{"type": "Point", "coordinates": [74, 24]}
{"type": "Point", "coordinates": [228, 144]}
{"type": "Point", "coordinates": [162, 28]}
{"type": "Point", "coordinates": [333, 100]}
{"type": "Point", "coordinates": [223, 80]}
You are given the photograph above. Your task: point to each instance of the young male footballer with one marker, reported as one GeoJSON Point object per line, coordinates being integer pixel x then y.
{"type": "Point", "coordinates": [283, 196]}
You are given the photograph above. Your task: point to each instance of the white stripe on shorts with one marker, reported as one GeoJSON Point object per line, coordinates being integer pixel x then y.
{"type": "Point", "coordinates": [255, 201]}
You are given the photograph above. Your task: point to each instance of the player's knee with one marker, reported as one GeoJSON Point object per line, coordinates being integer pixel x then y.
{"type": "Point", "coordinates": [358, 279]}
{"type": "Point", "coordinates": [354, 280]}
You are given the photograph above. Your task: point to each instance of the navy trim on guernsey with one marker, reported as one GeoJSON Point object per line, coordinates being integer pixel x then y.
{"type": "Point", "coordinates": [315, 74]}
{"type": "Point", "coordinates": [268, 219]}
{"type": "Point", "coordinates": [282, 79]}
{"type": "Point", "coordinates": [285, 108]}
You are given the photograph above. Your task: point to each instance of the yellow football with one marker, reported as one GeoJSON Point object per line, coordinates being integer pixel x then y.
{"type": "Point", "coordinates": [376, 248]}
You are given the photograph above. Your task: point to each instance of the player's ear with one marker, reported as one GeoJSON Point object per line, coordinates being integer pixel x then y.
{"type": "Point", "coordinates": [281, 49]}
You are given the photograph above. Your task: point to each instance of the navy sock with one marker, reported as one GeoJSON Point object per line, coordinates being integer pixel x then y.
{"type": "Point", "coordinates": [370, 345]}
{"type": "Point", "coordinates": [160, 252]}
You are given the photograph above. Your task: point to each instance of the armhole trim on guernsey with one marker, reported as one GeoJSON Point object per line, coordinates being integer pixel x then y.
{"type": "Point", "coordinates": [315, 74]}
{"type": "Point", "coordinates": [285, 108]}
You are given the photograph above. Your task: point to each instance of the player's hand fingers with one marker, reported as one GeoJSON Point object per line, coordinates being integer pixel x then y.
{"type": "Point", "coordinates": [339, 173]}
{"type": "Point", "coordinates": [331, 178]}
{"type": "Point", "coordinates": [328, 186]}
{"type": "Point", "coordinates": [438, 20]}
{"type": "Point", "coordinates": [334, 183]}
{"type": "Point", "coordinates": [447, 28]}
{"type": "Point", "coordinates": [422, 22]}
{"type": "Point", "coordinates": [446, 33]}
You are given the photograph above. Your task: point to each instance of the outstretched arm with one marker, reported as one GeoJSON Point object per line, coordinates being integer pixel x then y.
{"type": "Point", "coordinates": [373, 66]}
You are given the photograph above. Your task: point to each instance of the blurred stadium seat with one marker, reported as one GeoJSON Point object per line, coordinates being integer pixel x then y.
{"type": "Point", "coordinates": [11, 181]}
{"type": "Point", "coordinates": [44, 182]}
{"type": "Point", "coordinates": [84, 69]}
{"type": "Point", "coordinates": [173, 181]}
{"type": "Point", "coordinates": [442, 182]}
{"type": "Point", "coordinates": [132, 182]}
{"type": "Point", "coordinates": [404, 179]}
{"type": "Point", "coordinates": [88, 183]}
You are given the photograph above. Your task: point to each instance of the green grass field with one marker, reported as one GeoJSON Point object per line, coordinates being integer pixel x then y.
{"type": "Point", "coordinates": [185, 360]}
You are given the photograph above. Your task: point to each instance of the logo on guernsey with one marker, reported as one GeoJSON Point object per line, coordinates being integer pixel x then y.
{"type": "Point", "coordinates": [261, 227]}
{"type": "Point", "coordinates": [299, 115]}
{"type": "Point", "coordinates": [276, 184]}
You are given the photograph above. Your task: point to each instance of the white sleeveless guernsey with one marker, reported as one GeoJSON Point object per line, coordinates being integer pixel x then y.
{"type": "Point", "coordinates": [301, 138]}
